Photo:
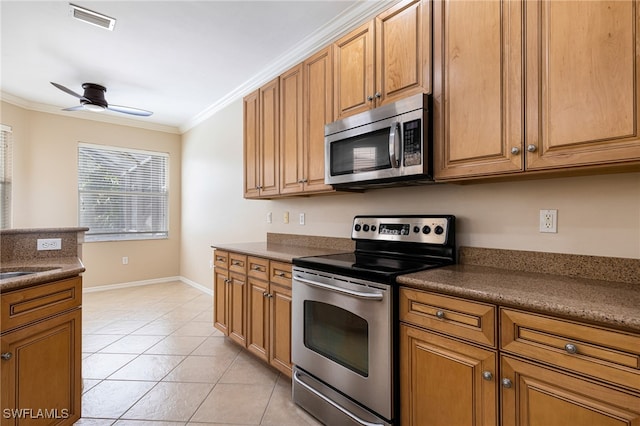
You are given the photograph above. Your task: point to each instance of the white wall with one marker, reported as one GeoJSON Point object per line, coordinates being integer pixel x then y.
{"type": "Point", "coordinates": [45, 189]}
{"type": "Point", "coordinates": [598, 215]}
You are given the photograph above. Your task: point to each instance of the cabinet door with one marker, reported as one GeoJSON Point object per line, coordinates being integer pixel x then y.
{"type": "Point", "coordinates": [442, 382]}
{"type": "Point", "coordinates": [291, 142]}
{"type": "Point", "coordinates": [583, 85]}
{"type": "Point", "coordinates": [477, 88]}
{"type": "Point", "coordinates": [44, 370]}
{"type": "Point", "coordinates": [541, 396]}
{"type": "Point", "coordinates": [280, 322]}
{"type": "Point", "coordinates": [403, 51]}
{"type": "Point", "coordinates": [220, 283]}
{"type": "Point", "coordinates": [354, 72]}
{"type": "Point", "coordinates": [251, 127]}
{"type": "Point", "coordinates": [236, 305]}
{"type": "Point", "coordinates": [318, 111]}
{"type": "Point", "coordinates": [269, 138]}
{"type": "Point", "coordinates": [258, 318]}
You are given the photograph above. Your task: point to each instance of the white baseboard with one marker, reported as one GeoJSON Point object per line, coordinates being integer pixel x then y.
{"type": "Point", "coordinates": [148, 282]}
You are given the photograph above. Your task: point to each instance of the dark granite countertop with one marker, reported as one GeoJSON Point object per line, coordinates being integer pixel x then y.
{"type": "Point", "coordinates": [45, 270]}
{"type": "Point", "coordinates": [606, 303]}
{"type": "Point", "coordinates": [275, 251]}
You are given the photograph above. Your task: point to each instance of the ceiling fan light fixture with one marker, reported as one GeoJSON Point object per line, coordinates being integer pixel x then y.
{"type": "Point", "coordinates": [94, 107]}
{"type": "Point", "coordinates": [91, 17]}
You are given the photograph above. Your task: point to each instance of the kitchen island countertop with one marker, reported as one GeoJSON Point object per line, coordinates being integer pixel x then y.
{"type": "Point", "coordinates": [605, 303]}
{"type": "Point", "coordinates": [44, 270]}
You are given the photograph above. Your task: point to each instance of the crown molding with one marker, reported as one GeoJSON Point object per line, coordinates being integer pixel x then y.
{"type": "Point", "coordinates": [86, 115]}
{"type": "Point", "coordinates": [357, 14]}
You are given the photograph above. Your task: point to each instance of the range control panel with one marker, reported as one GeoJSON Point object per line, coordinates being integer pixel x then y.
{"type": "Point", "coordinates": [411, 229]}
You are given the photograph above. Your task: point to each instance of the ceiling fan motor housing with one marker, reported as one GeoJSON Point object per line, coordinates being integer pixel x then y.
{"type": "Point", "coordinates": [94, 93]}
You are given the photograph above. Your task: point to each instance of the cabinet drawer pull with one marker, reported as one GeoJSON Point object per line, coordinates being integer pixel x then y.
{"type": "Point", "coordinates": [280, 273]}
{"type": "Point", "coordinates": [487, 375]}
{"type": "Point", "coordinates": [236, 263]}
{"type": "Point", "coordinates": [256, 268]}
{"type": "Point", "coordinates": [6, 356]}
{"type": "Point", "coordinates": [440, 314]}
{"type": "Point", "coordinates": [571, 348]}
{"type": "Point", "coordinates": [506, 383]}
{"type": "Point", "coordinates": [220, 259]}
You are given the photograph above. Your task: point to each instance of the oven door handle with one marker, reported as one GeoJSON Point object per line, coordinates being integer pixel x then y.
{"type": "Point", "coordinates": [296, 378]}
{"type": "Point", "coordinates": [353, 293]}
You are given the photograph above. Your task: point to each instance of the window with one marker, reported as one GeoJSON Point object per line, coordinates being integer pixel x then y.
{"type": "Point", "coordinates": [123, 193]}
{"type": "Point", "coordinates": [6, 146]}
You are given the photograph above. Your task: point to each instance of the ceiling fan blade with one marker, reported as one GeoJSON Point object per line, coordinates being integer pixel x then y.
{"type": "Point", "coordinates": [75, 108]}
{"type": "Point", "coordinates": [129, 110]}
{"type": "Point", "coordinates": [69, 91]}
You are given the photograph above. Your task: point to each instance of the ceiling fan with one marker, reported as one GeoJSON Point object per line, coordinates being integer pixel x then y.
{"type": "Point", "coordinates": [93, 100]}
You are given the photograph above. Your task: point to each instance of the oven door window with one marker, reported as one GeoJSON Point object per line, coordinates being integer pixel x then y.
{"type": "Point", "coordinates": [361, 153]}
{"type": "Point", "coordinates": [337, 334]}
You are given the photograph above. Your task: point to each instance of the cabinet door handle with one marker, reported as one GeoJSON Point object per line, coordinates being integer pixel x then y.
{"type": "Point", "coordinates": [532, 148]}
{"type": "Point", "coordinates": [265, 294]}
{"type": "Point", "coordinates": [487, 375]}
{"type": "Point", "coordinates": [6, 356]}
{"type": "Point", "coordinates": [571, 348]}
{"type": "Point", "coordinates": [378, 95]}
{"type": "Point", "coordinates": [515, 150]}
{"type": "Point", "coordinates": [369, 98]}
{"type": "Point", "coordinates": [506, 383]}
{"type": "Point", "coordinates": [440, 314]}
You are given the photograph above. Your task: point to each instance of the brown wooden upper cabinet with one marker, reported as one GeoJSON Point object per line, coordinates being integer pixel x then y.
{"type": "Point", "coordinates": [261, 141]}
{"type": "Point", "coordinates": [384, 60]}
{"type": "Point", "coordinates": [306, 105]}
{"type": "Point", "coordinates": [570, 98]}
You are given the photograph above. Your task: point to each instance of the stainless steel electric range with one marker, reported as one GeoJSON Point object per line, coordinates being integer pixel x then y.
{"type": "Point", "coordinates": [345, 320]}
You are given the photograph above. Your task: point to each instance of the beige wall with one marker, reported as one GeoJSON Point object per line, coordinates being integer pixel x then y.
{"type": "Point", "coordinates": [597, 215]}
{"type": "Point", "coordinates": [45, 189]}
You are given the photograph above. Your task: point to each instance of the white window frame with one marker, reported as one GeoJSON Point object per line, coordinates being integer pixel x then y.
{"type": "Point", "coordinates": [124, 201]}
{"type": "Point", "coordinates": [6, 176]}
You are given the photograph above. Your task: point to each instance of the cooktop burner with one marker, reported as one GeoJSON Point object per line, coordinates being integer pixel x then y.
{"type": "Point", "coordinates": [388, 246]}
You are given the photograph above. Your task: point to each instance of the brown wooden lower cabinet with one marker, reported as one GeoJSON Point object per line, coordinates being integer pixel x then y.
{"type": "Point", "coordinates": [41, 360]}
{"type": "Point", "coordinates": [446, 382]}
{"type": "Point", "coordinates": [538, 395]}
{"type": "Point", "coordinates": [552, 371]}
{"type": "Point", "coordinates": [254, 308]}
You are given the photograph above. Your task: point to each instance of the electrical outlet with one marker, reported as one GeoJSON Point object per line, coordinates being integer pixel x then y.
{"type": "Point", "coordinates": [269, 217]}
{"type": "Point", "coordinates": [301, 218]}
{"type": "Point", "coordinates": [49, 243]}
{"type": "Point", "coordinates": [549, 221]}
{"type": "Point", "coordinates": [125, 260]}
{"type": "Point", "coordinates": [285, 217]}
{"type": "Point", "coordinates": [210, 264]}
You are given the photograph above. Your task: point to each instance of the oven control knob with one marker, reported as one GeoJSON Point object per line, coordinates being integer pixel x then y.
{"type": "Point", "coordinates": [416, 229]}
{"type": "Point", "coordinates": [357, 227]}
{"type": "Point", "coordinates": [365, 228]}
{"type": "Point", "coordinates": [439, 230]}
{"type": "Point", "coordinates": [373, 228]}
{"type": "Point", "coordinates": [426, 229]}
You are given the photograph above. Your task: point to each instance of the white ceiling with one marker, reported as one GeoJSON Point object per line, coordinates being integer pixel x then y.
{"type": "Point", "coordinates": [181, 59]}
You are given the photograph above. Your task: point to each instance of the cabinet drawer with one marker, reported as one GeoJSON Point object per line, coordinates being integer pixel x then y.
{"type": "Point", "coordinates": [258, 268]}
{"type": "Point", "coordinates": [606, 354]}
{"type": "Point", "coordinates": [221, 259]}
{"type": "Point", "coordinates": [461, 318]}
{"type": "Point", "coordinates": [280, 273]}
{"type": "Point", "coordinates": [34, 303]}
{"type": "Point", "coordinates": [238, 263]}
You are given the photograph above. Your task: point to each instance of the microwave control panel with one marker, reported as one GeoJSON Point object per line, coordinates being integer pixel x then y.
{"type": "Point", "coordinates": [412, 142]}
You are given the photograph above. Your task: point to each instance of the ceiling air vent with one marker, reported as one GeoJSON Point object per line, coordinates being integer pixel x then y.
{"type": "Point", "coordinates": [91, 17]}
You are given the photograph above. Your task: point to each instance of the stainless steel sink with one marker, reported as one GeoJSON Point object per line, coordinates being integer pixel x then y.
{"type": "Point", "coordinates": [13, 274]}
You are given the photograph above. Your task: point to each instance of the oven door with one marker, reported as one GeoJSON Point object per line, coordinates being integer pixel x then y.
{"type": "Point", "coordinates": [342, 334]}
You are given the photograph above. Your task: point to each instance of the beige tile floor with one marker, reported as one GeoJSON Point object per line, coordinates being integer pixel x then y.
{"type": "Point", "coordinates": [151, 356]}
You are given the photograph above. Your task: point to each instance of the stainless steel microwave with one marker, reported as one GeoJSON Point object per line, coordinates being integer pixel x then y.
{"type": "Point", "coordinates": [385, 146]}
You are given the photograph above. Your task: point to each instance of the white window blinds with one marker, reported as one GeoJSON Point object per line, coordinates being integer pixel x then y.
{"type": "Point", "coordinates": [123, 193]}
{"type": "Point", "coordinates": [6, 162]}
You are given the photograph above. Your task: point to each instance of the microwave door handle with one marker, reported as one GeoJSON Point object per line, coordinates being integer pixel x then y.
{"type": "Point", "coordinates": [394, 145]}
